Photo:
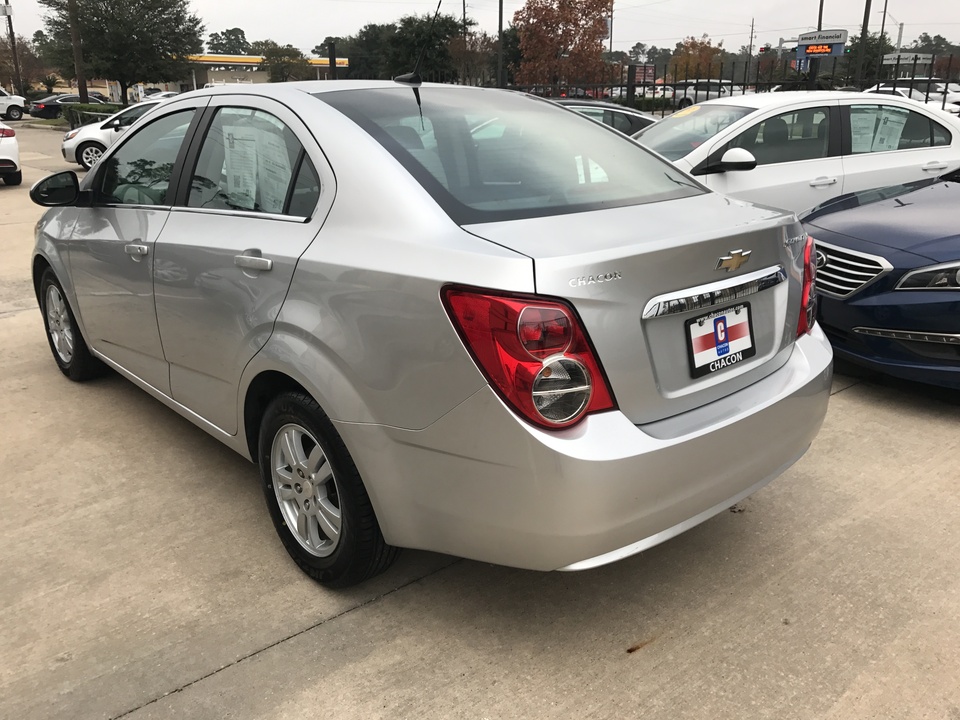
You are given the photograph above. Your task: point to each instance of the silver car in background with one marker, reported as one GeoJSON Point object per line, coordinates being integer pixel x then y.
{"type": "Point", "coordinates": [86, 144]}
{"type": "Point", "coordinates": [437, 317]}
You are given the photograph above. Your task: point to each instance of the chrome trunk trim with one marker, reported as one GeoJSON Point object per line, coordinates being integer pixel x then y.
{"type": "Point", "coordinates": [716, 293]}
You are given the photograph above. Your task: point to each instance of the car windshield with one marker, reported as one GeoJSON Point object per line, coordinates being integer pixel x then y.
{"type": "Point", "coordinates": [681, 133]}
{"type": "Point", "coordinates": [489, 155]}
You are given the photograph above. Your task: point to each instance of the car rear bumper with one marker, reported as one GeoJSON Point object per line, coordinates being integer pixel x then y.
{"type": "Point", "coordinates": [479, 483]}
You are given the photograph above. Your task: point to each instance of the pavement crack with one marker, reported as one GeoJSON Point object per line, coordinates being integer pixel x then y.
{"type": "Point", "coordinates": [272, 645]}
{"type": "Point", "coordinates": [853, 384]}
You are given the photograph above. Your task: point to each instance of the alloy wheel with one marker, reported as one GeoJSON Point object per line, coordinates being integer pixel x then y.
{"type": "Point", "coordinates": [306, 490]}
{"type": "Point", "coordinates": [59, 325]}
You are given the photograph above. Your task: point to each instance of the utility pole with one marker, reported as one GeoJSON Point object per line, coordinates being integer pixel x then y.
{"type": "Point", "coordinates": [751, 38]}
{"type": "Point", "coordinates": [814, 71]}
{"type": "Point", "coordinates": [750, 53]}
{"type": "Point", "coordinates": [464, 24]}
{"type": "Point", "coordinates": [500, 82]}
{"type": "Point", "coordinates": [883, 25]}
{"type": "Point", "coordinates": [13, 48]}
{"type": "Point", "coordinates": [74, 17]}
{"type": "Point", "coordinates": [862, 50]}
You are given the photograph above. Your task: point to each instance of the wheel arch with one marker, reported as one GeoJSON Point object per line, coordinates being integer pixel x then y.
{"type": "Point", "coordinates": [260, 392]}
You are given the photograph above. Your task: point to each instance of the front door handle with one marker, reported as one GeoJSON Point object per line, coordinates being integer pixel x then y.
{"type": "Point", "coordinates": [136, 251]}
{"type": "Point", "coordinates": [252, 262]}
{"type": "Point", "coordinates": [934, 166]}
{"type": "Point", "coordinates": [823, 182]}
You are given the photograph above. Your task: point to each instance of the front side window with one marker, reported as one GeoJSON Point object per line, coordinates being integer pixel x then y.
{"type": "Point", "coordinates": [882, 128]}
{"type": "Point", "coordinates": [789, 137]}
{"type": "Point", "coordinates": [138, 173]}
{"type": "Point", "coordinates": [680, 134]}
{"type": "Point", "coordinates": [248, 161]}
{"type": "Point", "coordinates": [486, 156]}
{"type": "Point", "coordinates": [131, 115]}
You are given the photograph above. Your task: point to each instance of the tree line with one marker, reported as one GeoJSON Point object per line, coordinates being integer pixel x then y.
{"type": "Point", "coordinates": [547, 42]}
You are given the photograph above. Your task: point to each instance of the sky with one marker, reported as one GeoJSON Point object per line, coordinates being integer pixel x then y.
{"type": "Point", "coordinates": [305, 23]}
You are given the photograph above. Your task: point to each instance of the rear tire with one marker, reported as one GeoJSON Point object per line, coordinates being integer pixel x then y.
{"type": "Point", "coordinates": [14, 178]}
{"type": "Point", "coordinates": [66, 343]}
{"type": "Point", "coordinates": [316, 497]}
{"type": "Point", "coordinates": [14, 113]}
{"type": "Point", "coordinates": [685, 103]}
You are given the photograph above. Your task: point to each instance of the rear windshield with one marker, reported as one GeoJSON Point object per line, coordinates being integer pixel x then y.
{"type": "Point", "coordinates": [489, 155]}
{"type": "Point", "coordinates": [681, 133]}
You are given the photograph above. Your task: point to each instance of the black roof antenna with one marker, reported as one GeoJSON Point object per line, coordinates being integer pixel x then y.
{"type": "Point", "coordinates": [413, 79]}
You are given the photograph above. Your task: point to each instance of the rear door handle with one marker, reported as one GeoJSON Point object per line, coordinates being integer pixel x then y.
{"type": "Point", "coordinates": [136, 250]}
{"type": "Point", "coordinates": [253, 262]}
{"type": "Point", "coordinates": [934, 166]}
{"type": "Point", "coordinates": [823, 182]}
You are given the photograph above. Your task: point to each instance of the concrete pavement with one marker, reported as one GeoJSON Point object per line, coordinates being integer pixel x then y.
{"type": "Point", "coordinates": [140, 575]}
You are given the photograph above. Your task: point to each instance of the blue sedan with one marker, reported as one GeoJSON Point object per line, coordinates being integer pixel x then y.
{"type": "Point", "coordinates": [888, 276]}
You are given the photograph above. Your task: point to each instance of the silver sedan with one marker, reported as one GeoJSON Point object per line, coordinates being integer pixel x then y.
{"type": "Point", "coordinates": [438, 317]}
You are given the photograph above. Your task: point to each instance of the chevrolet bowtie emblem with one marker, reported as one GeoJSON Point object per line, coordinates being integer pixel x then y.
{"type": "Point", "coordinates": [734, 260]}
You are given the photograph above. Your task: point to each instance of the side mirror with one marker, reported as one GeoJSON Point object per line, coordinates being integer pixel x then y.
{"type": "Point", "coordinates": [56, 190]}
{"type": "Point", "coordinates": [733, 159]}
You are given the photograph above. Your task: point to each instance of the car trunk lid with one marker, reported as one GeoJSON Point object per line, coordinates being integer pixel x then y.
{"type": "Point", "coordinates": [646, 283]}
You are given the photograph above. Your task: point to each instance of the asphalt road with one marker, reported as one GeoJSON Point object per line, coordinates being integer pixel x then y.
{"type": "Point", "coordinates": [140, 576]}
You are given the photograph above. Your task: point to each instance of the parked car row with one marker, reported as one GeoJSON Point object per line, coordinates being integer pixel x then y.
{"type": "Point", "coordinates": [52, 106]}
{"type": "Point", "coordinates": [440, 317]}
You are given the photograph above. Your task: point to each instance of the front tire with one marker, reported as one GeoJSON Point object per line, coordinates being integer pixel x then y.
{"type": "Point", "coordinates": [316, 497]}
{"type": "Point", "coordinates": [14, 113]}
{"type": "Point", "coordinates": [66, 343]}
{"type": "Point", "coordinates": [88, 153]}
{"type": "Point", "coordinates": [13, 178]}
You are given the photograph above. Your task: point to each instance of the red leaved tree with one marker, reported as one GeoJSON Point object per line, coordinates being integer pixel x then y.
{"type": "Point", "coordinates": [696, 58]}
{"type": "Point", "coordinates": [561, 41]}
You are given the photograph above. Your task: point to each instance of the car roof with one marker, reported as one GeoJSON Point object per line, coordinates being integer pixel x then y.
{"type": "Point", "coordinates": [772, 99]}
{"type": "Point", "coordinates": [586, 102]}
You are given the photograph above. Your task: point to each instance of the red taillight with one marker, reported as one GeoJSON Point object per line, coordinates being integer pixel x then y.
{"type": "Point", "coordinates": [533, 352]}
{"type": "Point", "coordinates": [6, 132]}
{"type": "Point", "coordinates": [808, 296]}
{"type": "Point", "coordinates": [39, 106]}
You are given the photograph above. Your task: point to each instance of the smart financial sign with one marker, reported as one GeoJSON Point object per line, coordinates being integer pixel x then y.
{"type": "Point", "coordinates": [821, 43]}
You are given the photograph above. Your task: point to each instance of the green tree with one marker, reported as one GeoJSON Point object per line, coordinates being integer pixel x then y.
{"type": "Point", "coordinates": [512, 55]}
{"type": "Point", "coordinates": [260, 47]}
{"type": "Point", "coordinates": [129, 42]}
{"type": "Point", "coordinates": [414, 33]}
{"type": "Point", "coordinates": [874, 50]}
{"type": "Point", "coordinates": [232, 41]}
{"type": "Point", "coordinates": [285, 63]}
{"type": "Point", "coordinates": [342, 46]}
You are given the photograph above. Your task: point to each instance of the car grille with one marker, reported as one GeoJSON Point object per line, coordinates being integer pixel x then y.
{"type": "Point", "coordinates": [846, 272]}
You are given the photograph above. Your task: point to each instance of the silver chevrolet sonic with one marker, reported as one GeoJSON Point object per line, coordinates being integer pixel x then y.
{"type": "Point", "coordinates": [456, 319]}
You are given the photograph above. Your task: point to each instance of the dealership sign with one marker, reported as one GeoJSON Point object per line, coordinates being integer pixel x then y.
{"type": "Point", "coordinates": [821, 43]}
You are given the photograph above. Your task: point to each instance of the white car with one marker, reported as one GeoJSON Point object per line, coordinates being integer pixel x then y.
{"type": "Point", "coordinates": [11, 106]}
{"type": "Point", "coordinates": [9, 156]}
{"type": "Point", "coordinates": [795, 150]}
{"type": "Point", "coordinates": [86, 144]}
{"type": "Point", "coordinates": [950, 104]}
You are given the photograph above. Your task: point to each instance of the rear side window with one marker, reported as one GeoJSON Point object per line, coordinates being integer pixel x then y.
{"type": "Point", "coordinates": [882, 128]}
{"type": "Point", "coordinates": [488, 155]}
{"type": "Point", "coordinates": [248, 161]}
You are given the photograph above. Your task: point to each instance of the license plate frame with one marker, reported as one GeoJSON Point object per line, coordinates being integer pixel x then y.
{"type": "Point", "coordinates": [712, 351]}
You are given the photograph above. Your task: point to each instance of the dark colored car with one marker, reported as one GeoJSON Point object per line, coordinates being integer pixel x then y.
{"type": "Point", "coordinates": [626, 120]}
{"type": "Point", "coordinates": [52, 106]}
{"type": "Point", "coordinates": [888, 275]}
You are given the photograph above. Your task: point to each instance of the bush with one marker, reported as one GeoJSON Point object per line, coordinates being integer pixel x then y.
{"type": "Point", "coordinates": [79, 114]}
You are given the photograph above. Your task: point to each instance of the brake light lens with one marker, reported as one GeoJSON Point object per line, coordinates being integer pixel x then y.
{"type": "Point", "coordinates": [6, 132]}
{"type": "Point", "coordinates": [534, 353]}
{"type": "Point", "coordinates": [808, 297]}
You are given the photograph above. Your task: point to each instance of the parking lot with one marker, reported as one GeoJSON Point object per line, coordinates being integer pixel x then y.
{"type": "Point", "coordinates": [142, 578]}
